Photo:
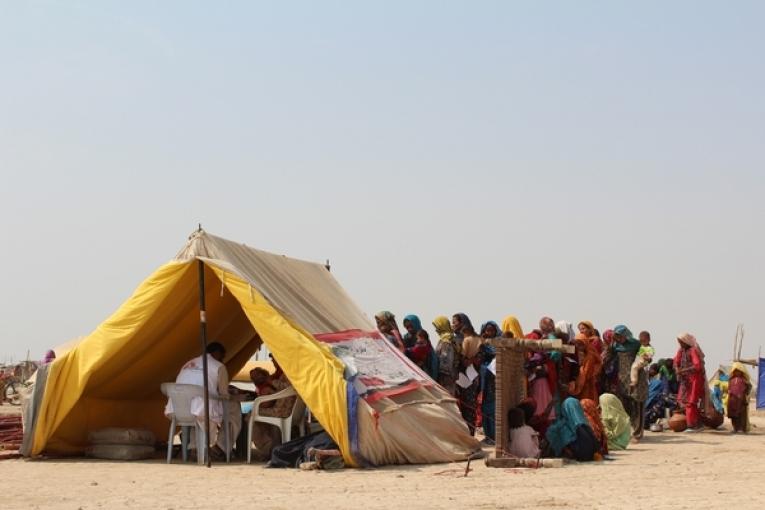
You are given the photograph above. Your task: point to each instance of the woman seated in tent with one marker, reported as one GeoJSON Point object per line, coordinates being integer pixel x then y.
{"type": "Point", "coordinates": [739, 392]}
{"type": "Point", "coordinates": [266, 436]}
{"type": "Point", "coordinates": [616, 422]}
{"type": "Point", "coordinates": [571, 435]}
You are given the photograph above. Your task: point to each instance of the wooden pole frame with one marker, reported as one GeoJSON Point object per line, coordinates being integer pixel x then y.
{"type": "Point", "coordinates": [510, 380]}
{"type": "Point", "coordinates": [203, 341]}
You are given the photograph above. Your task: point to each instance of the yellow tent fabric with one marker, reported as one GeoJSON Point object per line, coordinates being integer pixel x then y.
{"type": "Point", "coordinates": [112, 377]}
{"type": "Point", "coordinates": [63, 412]}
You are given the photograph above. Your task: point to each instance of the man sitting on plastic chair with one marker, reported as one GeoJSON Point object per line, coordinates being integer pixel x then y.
{"type": "Point", "coordinates": [265, 436]}
{"type": "Point", "coordinates": [217, 381]}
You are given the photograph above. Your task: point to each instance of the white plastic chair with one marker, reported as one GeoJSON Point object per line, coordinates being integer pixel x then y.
{"type": "Point", "coordinates": [284, 424]}
{"type": "Point", "coordinates": [180, 395]}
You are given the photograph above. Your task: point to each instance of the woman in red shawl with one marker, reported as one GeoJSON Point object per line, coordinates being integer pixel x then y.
{"type": "Point", "coordinates": [585, 386]}
{"type": "Point", "coordinates": [689, 363]}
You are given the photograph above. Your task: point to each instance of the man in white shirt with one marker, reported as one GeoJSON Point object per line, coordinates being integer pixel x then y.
{"type": "Point", "coordinates": [217, 381]}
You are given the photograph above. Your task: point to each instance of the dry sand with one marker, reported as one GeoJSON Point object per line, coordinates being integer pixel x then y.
{"type": "Point", "coordinates": [665, 470]}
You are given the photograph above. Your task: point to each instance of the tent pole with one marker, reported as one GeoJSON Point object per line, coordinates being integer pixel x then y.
{"type": "Point", "coordinates": [203, 340]}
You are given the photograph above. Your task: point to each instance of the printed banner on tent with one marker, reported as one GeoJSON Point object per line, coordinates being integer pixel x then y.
{"type": "Point", "coordinates": [376, 368]}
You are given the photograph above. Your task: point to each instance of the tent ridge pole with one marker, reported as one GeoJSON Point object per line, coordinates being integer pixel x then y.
{"type": "Point", "coordinates": [203, 341]}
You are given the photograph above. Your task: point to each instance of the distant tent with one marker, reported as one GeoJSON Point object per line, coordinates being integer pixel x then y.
{"type": "Point", "coordinates": [378, 406]}
{"type": "Point", "coordinates": [761, 385]}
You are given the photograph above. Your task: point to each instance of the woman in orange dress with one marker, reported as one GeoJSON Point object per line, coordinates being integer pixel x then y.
{"type": "Point", "coordinates": [585, 386]}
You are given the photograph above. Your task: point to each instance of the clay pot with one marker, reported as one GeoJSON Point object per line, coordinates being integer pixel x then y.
{"type": "Point", "coordinates": [677, 422]}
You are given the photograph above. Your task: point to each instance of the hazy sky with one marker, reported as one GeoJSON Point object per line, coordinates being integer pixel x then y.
{"type": "Point", "coordinates": [584, 160]}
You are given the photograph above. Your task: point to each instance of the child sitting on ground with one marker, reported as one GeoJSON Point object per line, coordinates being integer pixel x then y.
{"type": "Point", "coordinates": [524, 441]}
{"type": "Point", "coordinates": [644, 357]}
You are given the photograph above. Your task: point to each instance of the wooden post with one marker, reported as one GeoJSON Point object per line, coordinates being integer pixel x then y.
{"type": "Point", "coordinates": [511, 386]}
{"type": "Point", "coordinates": [203, 341]}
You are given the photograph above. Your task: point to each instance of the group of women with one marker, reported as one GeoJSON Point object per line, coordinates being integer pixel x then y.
{"type": "Point", "coordinates": [582, 404]}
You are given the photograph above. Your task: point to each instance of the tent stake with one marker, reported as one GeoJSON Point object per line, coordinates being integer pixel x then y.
{"type": "Point", "coordinates": [203, 340]}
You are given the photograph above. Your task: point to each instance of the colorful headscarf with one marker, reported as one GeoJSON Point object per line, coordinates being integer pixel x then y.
{"type": "Point", "coordinates": [512, 325]}
{"type": "Point", "coordinates": [740, 367]}
{"type": "Point", "coordinates": [630, 344]}
{"type": "Point", "coordinates": [443, 328]}
{"type": "Point", "coordinates": [415, 322]}
{"type": "Point", "coordinates": [490, 323]}
{"type": "Point", "coordinates": [616, 422]}
{"type": "Point", "coordinates": [690, 341]}
{"type": "Point", "coordinates": [608, 337]}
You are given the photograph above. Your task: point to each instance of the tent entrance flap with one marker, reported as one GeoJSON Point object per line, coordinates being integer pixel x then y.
{"type": "Point", "coordinates": [315, 373]}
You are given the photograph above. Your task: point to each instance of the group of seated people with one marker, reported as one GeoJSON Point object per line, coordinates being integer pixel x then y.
{"type": "Point", "coordinates": [226, 400]}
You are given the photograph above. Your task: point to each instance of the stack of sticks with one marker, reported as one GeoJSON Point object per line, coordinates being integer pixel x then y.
{"type": "Point", "coordinates": [11, 435]}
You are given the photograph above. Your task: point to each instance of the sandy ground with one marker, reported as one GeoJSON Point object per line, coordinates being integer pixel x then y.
{"type": "Point", "coordinates": [665, 470]}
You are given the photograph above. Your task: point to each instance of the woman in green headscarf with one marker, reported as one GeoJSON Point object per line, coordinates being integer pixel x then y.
{"type": "Point", "coordinates": [616, 421]}
{"type": "Point", "coordinates": [626, 347]}
{"type": "Point", "coordinates": [448, 354]}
